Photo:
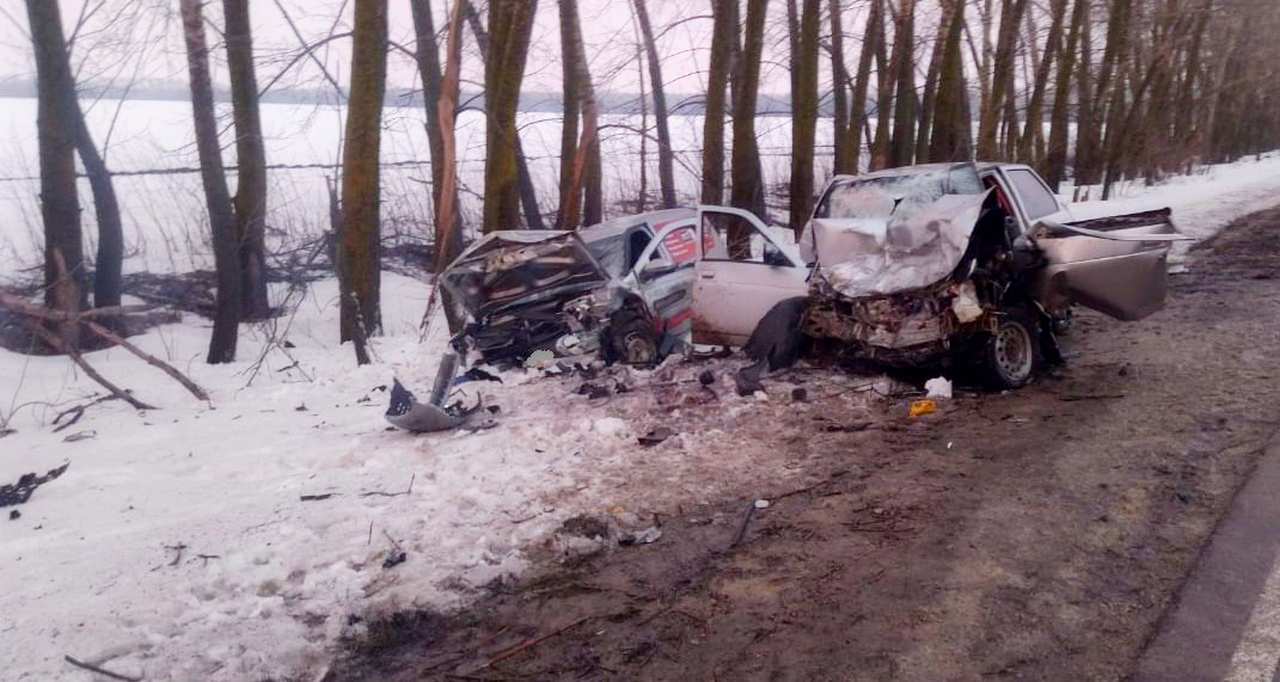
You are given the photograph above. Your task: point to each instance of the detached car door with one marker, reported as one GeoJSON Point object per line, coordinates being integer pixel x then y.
{"type": "Point", "coordinates": [742, 273]}
{"type": "Point", "coordinates": [1116, 265]}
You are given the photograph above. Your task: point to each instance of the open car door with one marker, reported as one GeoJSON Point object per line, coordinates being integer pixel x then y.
{"type": "Point", "coordinates": [1116, 265]}
{"type": "Point", "coordinates": [742, 273]}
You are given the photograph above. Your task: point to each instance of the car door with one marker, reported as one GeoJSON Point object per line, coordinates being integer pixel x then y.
{"type": "Point", "coordinates": [741, 274]}
{"type": "Point", "coordinates": [664, 274]}
{"type": "Point", "coordinates": [1117, 266]}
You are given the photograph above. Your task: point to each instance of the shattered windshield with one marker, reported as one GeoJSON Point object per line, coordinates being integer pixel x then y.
{"type": "Point", "coordinates": [611, 253]}
{"type": "Point", "coordinates": [896, 196]}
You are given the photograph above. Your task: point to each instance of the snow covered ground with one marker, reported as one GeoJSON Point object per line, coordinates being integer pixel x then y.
{"type": "Point", "coordinates": [177, 545]}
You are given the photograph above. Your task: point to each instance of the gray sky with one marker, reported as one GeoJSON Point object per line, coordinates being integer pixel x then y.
{"type": "Point", "coordinates": [121, 36]}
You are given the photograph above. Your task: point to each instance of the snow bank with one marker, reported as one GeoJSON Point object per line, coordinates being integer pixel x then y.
{"type": "Point", "coordinates": [176, 546]}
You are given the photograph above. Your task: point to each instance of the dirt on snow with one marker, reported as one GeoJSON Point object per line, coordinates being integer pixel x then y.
{"type": "Point", "coordinates": [1034, 534]}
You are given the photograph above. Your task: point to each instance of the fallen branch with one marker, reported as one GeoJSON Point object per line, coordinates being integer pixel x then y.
{"type": "Point", "coordinates": [380, 493]}
{"type": "Point", "coordinates": [530, 643]}
{"type": "Point", "coordinates": [53, 340]}
{"type": "Point", "coordinates": [85, 317]}
{"type": "Point", "coordinates": [1091, 396]}
{"type": "Point", "coordinates": [20, 305]}
{"type": "Point", "coordinates": [101, 671]}
{"type": "Point", "coordinates": [742, 529]}
{"type": "Point", "coordinates": [152, 360]}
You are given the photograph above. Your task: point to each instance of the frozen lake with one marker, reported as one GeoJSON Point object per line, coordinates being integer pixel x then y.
{"type": "Point", "coordinates": [166, 224]}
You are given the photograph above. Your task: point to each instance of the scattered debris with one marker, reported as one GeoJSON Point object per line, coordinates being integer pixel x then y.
{"type": "Point", "coordinates": [938, 387]}
{"type": "Point", "coordinates": [477, 374]}
{"type": "Point", "coordinates": [99, 670]}
{"type": "Point", "coordinates": [14, 514]}
{"type": "Point", "coordinates": [321, 496]}
{"type": "Point", "coordinates": [80, 435]}
{"type": "Point", "coordinates": [706, 377]}
{"type": "Point", "coordinates": [762, 504]}
{"type": "Point", "coordinates": [799, 394]}
{"type": "Point", "coordinates": [747, 379]}
{"type": "Point", "coordinates": [919, 408]}
{"type": "Point", "coordinates": [641, 537]}
{"type": "Point", "coordinates": [540, 359]}
{"type": "Point", "coordinates": [397, 555]}
{"type": "Point", "coordinates": [593, 391]}
{"type": "Point", "coordinates": [20, 492]}
{"type": "Point", "coordinates": [742, 529]}
{"type": "Point", "coordinates": [655, 436]}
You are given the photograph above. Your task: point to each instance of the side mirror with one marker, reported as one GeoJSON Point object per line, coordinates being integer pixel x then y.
{"type": "Point", "coordinates": [775, 258]}
{"type": "Point", "coordinates": [655, 267]}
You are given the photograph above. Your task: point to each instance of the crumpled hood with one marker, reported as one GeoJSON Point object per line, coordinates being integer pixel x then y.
{"type": "Point", "coordinates": [903, 243]}
{"type": "Point", "coordinates": [521, 266]}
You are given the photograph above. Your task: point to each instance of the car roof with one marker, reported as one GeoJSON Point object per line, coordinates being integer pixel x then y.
{"type": "Point", "coordinates": [619, 225]}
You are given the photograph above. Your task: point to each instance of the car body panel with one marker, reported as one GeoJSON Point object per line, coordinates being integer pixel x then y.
{"type": "Point", "coordinates": [731, 296]}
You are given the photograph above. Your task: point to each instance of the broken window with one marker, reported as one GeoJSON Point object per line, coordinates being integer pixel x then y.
{"type": "Point", "coordinates": [726, 236]}
{"type": "Point", "coordinates": [1037, 200]}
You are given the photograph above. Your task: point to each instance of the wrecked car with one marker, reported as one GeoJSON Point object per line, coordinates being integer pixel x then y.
{"type": "Point", "coordinates": [975, 263]}
{"type": "Point", "coordinates": [621, 289]}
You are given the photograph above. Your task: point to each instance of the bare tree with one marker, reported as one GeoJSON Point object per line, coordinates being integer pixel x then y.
{"type": "Point", "coordinates": [748, 185]}
{"type": "Point", "coordinates": [57, 117]}
{"type": "Point", "coordinates": [512, 23]}
{"type": "Point", "coordinates": [1002, 79]}
{"type": "Point", "coordinates": [903, 145]}
{"type": "Point", "coordinates": [843, 138]}
{"type": "Point", "coordinates": [804, 114]}
{"type": "Point", "coordinates": [528, 194]}
{"type": "Point", "coordinates": [666, 159]}
{"type": "Point", "coordinates": [723, 34]}
{"type": "Point", "coordinates": [872, 41]}
{"type": "Point", "coordinates": [359, 245]}
{"type": "Point", "coordinates": [448, 236]}
{"type": "Point", "coordinates": [250, 201]}
{"type": "Point", "coordinates": [951, 133]}
{"type": "Point", "coordinates": [226, 320]}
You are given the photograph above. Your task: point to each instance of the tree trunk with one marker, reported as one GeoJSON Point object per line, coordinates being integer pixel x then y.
{"type": "Point", "coordinates": [448, 237]}
{"type": "Point", "coordinates": [903, 146]}
{"type": "Point", "coordinates": [928, 101]}
{"type": "Point", "coordinates": [57, 116]}
{"type": "Point", "coordinates": [359, 245]}
{"type": "Point", "coordinates": [584, 153]}
{"type": "Point", "coordinates": [447, 209]}
{"type": "Point", "coordinates": [250, 201]}
{"type": "Point", "coordinates": [843, 154]}
{"type": "Point", "coordinates": [861, 83]}
{"type": "Point", "coordinates": [572, 98]}
{"type": "Point", "coordinates": [107, 269]}
{"type": "Point", "coordinates": [512, 23]}
{"type": "Point", "coordinates": [222, 347]}
{"type": "Point", "coordinates": [748, 185]}
{"type": "Point", "coordinates": [950, 138]}
{"type": "Point", "coordinates": [1033, 129]}
{"type": "Point", "coordinates": [1002, 80]}
{"type": "Point", "coordinates": [1086, 119]}
{"type": "Point", "coordinates": [884, 95]}
{"type": "Point", "coordinates": [804, 114]}
{"type": "Point", "coordinates": [1055, 162]}
{"type": "Point", "coordinates": [528, 193]}
{"type": "Point", "coordinates": [666, 160]}
{"type": "Point", "coordinates": [723, 33]}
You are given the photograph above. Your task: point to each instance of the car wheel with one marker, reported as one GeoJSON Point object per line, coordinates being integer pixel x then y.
{"type": "Point", "coordinates": [1012, 353]}
{"type": "Point", "coordinates": [634, 342]}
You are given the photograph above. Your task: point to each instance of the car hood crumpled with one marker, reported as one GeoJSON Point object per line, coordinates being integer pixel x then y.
{"type": "Point", "coordinates": [893, 249]}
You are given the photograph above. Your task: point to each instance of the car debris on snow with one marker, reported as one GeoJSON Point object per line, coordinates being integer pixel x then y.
{"type": "Point", "coordinates": [21, 491]}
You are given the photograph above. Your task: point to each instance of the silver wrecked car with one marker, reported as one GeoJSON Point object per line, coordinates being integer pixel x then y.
{"type": "Point", "coordinates": [956, 262]}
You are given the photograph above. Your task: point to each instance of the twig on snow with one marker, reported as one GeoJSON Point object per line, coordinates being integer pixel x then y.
{"type": "Point", "coordinates": [381, 493]}
{"type": "Point", "coordinates": [53, 340]}
{"type": "Point", "coordinates": [530, 643]}
{"type": "Point", "coordinates": [101, 671]}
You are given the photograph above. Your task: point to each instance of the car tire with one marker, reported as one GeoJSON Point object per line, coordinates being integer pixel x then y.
{"type": "Point", "coordinates": [633, 341]}
{"type": "Point", "coordinates": [1011, 355]}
